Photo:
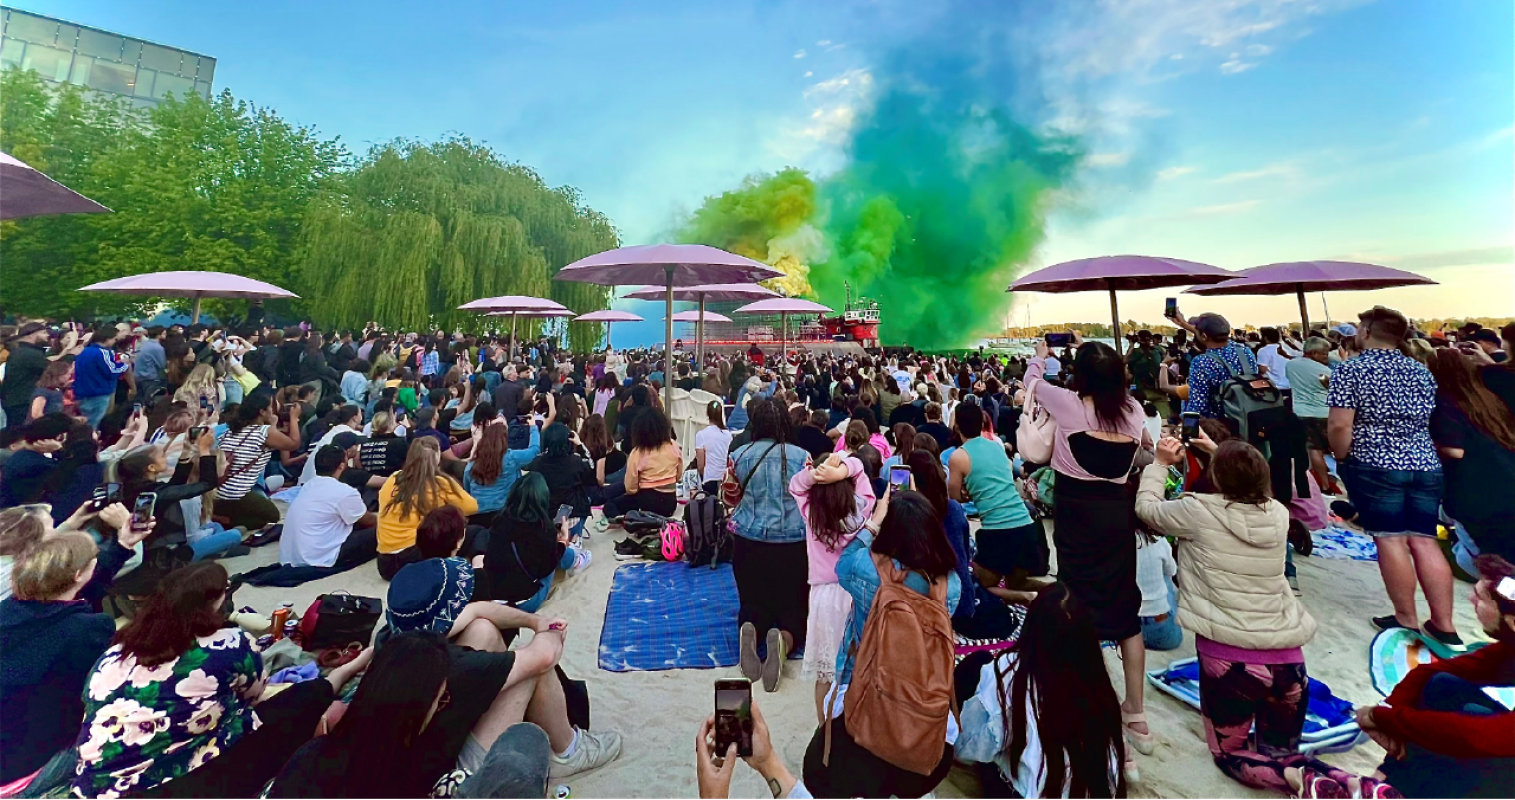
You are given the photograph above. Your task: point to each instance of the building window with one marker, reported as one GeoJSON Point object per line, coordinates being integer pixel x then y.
{"type": "Point", "coordinates": [144, 87]}
{"type": "Point", "coordinates": [111, 77]}
{"type": "Point", "coordinates": [180, 87]}
{"type": "Point", "coordinates": [162, 59]}
{"type": "Point", "coordinates": [10, 53]}
{"type": "Point", "coordinates": [97, 43]}
{"type": "Point", "coordinates": [80, 73]}
{"type": "Point", "coordinates": [49, 62]}
{"type": "Point", "coordinates": [31, 29]}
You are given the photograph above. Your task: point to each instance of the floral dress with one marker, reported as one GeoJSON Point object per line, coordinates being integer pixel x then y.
{"type": "Point", "coordinates": [144, 726]}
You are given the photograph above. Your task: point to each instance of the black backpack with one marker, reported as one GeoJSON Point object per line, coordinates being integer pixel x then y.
{"type": "Point", "coordinates": [708, 537]}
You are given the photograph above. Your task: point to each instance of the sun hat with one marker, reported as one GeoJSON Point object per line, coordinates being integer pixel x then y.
{"type": "Point", "coordinates": [429, 594]}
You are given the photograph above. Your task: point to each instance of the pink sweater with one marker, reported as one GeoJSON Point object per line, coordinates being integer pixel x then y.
{"type": "Point", "coordinates": [877, 440]}
{"type": "Point", "coordinates": [822, 558]}
{"type": "Point", "coordinates": [1073, 416]}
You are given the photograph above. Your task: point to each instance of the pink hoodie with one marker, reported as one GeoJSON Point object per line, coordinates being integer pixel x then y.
{"type": "Point", "coordinates": [822, 558]}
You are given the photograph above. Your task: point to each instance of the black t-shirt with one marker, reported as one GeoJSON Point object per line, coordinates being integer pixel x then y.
{"type": "Point", "coordinates": [936, 430]}
{"type": "Point", "coordinates": [383, 456]}
{"type": "Point", "coordinates": [908, 413]}
{"type": "Point", "coordinates": [507, 397]}
{"type": "Point", "coordinates": [1478, 484]}
{"type": "Point", "coordinates": [519, 556]}
{"type": "Point", "coordinates": [1500, 380]}
{"type": "Point", "coordinates": [567, 478]}
{"type": "Point", "coordinates": [814, 441]}
{"type": "Point", "coordinates": [356, 478]}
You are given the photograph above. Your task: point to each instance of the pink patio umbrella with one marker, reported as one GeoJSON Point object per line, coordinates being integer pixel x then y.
{"type": "Point", "coordinates": [1298, 277]}
{"type": "Point", "coordinates": [671, 265]}
{"type": "Point", "coordinates": [700, 316]}
{"type": "Point", "coordinates": [784, 306]}
{"type": "Point", "coordinates": [197, 285]}
{"type": "Point", "coordinates": [513, 305]}
{"type": "Point", "coordinates": [608, 316]}
{"type": "Point", "coordinates": [29, 193]}
{"type": "Point", "coordinates": [712, 291]}
{"type": "Point", "coordinates": [1118, 274]}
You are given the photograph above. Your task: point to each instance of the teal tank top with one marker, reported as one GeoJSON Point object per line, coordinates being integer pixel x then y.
{"type": "Point", "coordinates": [992, 486]}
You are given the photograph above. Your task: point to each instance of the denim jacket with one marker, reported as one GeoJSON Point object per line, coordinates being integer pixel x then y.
{"type": "Point", "coordinates": [768, 512]}
{"type": "Point", "coordinates": [858, 575]}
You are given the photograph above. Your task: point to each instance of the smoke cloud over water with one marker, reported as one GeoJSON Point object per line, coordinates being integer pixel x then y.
{"type": "Point", "coordinates": [941, 200]}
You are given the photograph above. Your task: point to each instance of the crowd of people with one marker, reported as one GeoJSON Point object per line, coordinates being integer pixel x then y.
{"type": "Point", "coordinates": [895, 515]}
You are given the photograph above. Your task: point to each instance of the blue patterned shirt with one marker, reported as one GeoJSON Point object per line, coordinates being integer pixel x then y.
{"type": "Point", "coordinates": [1207, 372]}
{"type": "Point", "coordinates": [430, 363]}
{"type": "Point", "coordinates": [1394, 396]}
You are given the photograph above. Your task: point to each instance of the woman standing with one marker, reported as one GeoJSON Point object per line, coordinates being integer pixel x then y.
{"type": "Point", "coordinates": [769, 559]}
{"type": "Point", "coordinates": [48, 397]}
{"type": "Point", "coordinates": [1475, 435]}
{"type": "Point", "coordinates": [250, 442]}
{"type": "Point", "coordinates": [1099, 430]}
{"type": "Point", "coordinates": [1379, 428]}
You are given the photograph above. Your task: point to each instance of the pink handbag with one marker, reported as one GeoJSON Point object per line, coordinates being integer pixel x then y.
{"type": "Point", "coordinates": [1037, 429]}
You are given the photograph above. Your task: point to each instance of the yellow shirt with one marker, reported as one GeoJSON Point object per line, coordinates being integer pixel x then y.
{"type": "Point", "coordinates": [397, 530]}
{"type": "Point", "coordinates": [654, 469]}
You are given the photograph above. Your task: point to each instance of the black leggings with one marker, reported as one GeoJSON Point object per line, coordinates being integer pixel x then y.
{"type": "Point", "coordinates": [855, 772]}
{"type": "Point", "coordinates": [772, 586]}
{"type": "Point", "coordinates": [289, 721]}
{"type": "Point", "coordinates": [664, 503]}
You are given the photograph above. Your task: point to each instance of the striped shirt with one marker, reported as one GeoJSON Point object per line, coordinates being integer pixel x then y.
{"type": "Point", "coordinates": [246, 458]}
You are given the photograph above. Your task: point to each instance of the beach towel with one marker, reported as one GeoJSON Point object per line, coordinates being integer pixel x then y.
{"type": "Point", "coordinates": [1396, 651]}
{"type": "Point", "coordinates": [1340, 543]}
{"type": "Point", "coordinates": [663, 615]}
{"type": "Point", "coordinates": [1330, 724]}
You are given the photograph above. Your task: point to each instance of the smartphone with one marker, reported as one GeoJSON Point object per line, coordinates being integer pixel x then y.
{"type": "Point", "coordinates": [564, 512]}
{"type": "Point", "coordinates": [1190, 425]}
{"type": "Point", "coordinates": [204, 403]}
{"type": "Point", "coordinates": [1059, 339]}
{"type": "Point", "coordinates": [1170, 308]}
{"type": "Point", "coordinates": [195, 433]}
{"type": "Point", "coordinates": [97, 498]}
{"type": "Point", "coordinates": [899, 477]}
{"type": "Point", "coordinates": [137, 409]}
{"type": "Point", "coordinates": [733, 717]}
{"type": "Point", "coordinates": [142, 510]}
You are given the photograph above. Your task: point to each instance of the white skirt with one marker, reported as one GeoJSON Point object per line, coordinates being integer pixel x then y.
{"type": "Point", "coordinates": [830, 606]}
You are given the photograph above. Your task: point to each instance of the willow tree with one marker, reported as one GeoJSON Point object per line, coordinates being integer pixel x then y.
{"type": "Point", "coordinates": [416, 230]}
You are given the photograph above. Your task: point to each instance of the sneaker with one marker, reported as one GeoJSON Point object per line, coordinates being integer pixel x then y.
{"type": "Point", "coordinates": [581, 561]}
{"type": "Point", "coordinates": [773, 665]}
{"type": "Point", "coordinates": [594, 750]}
{"type": "Point", "coordinates": [752, 668]}
{"type": "Point", "coordinates": [1388, 622]}
{"type": "Point", "coordinates": [1449, 639]}
{"type": "Point", "coordinates": [627, 550]}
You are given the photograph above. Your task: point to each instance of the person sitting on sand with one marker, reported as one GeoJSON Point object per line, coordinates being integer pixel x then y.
{"type": "Point", "coordinates": [435, 594]}
{"type": "Point", "coordinates": [526, 549]}
{"type": "Point", "coordinates": [1249, 628]}
{"type": "Point", "coordinates": [407, 497]}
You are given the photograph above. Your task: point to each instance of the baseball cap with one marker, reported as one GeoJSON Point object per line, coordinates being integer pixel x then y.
{"type": "Point", "coordinates": [1211, 326]}
{"type": "Point", "coordinates": [1484, 335]}
{"type": "Point", "coordinates": [1346, 329]}
{"type": "Point", "coordinates": [347, 439]}
{"type": "Point", "coordinates": [30, 328]}
{"type": "Point", "coordinates": [517, 765]}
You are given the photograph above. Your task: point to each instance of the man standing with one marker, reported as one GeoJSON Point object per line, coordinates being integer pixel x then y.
{"type": "Point", "coordinates": [96, 372]}
{"type": "Point", "coordinates": [341, 352]}
{"type": "Point", "coordinates": [507, 396]}
{"type": "Point", "coordinates": [1487, 340]}
{"type": "Point", "coordinates": [1209, 370]}
{"type": "Point", "coordinates": [1144, 361]}
{"type": "Point", "coordinates": [328, 525]}
{"type": "Point", "coordinates": [1310, 375]}
{"type": "Point", "coordinates": [28, 359]}
{"type": "Point", "coordinates": [150, 363]}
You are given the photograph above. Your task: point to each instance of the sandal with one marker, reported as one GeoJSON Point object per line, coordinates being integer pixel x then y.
{"type": "Point", "coordinates": [1133, 775]}
{"type": "Point", "coordinates": [1316, 784]}
{"type": "Point", "coordinates": [1145, 743]}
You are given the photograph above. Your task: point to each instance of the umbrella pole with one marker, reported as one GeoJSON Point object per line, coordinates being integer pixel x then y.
{"type": "Point", "coordinates": [513, 336]}
{"type": "Point", "coordinates": [783, 349]}
{"type": "Point", "coordinates": [1115, 321]}
{"type": "Point", "coordinates": [1304, 312]}
{"type": "Point", "coordinates": [699, 340]}
{"type": "Point", "coordinates": [668, 340]}
{"type": "Point", "coordinates": [194, 317]}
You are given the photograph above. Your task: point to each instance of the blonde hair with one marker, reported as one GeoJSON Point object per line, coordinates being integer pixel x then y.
{"type": "Point", "coordinates": [383, 422]}
{"type": "Point", "coordinates": [418, 485]}
{"type": "Point", "coordinates": [50, 567]}
{"type": "Point", "coordinates": [200, 383]}
{"type": "Point", "coordinates": [22, 527]}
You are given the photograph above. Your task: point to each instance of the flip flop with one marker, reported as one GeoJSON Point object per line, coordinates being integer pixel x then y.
{"type": "Point", "coordinates": [1145, 743]}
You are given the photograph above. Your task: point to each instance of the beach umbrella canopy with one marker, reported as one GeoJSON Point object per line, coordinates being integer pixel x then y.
{"type": "Point", "coordinates": [608, 316]}
{"type": "Point", "coordinates": [700, 294]}
{"type": "Point", "coordinates": [29, 193]}
{"type": "Point", "coordinates": [669, 265]}
{"type": "Point", "coordinates": [783, 306]}
{"type": "Point", "coordinates": [1299, 277]}
{"type": "Point", "coordinates": [1118, 274]}
{"type": "Point", "coordinates": [513, 303]}
{"type": "Point", "coordinates": [196, 285]}
{"type": "Point", "coordinates": [696, 316]}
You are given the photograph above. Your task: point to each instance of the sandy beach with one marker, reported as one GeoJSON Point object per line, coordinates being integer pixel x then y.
{"type": "Point", "coordinates": [658, 712]}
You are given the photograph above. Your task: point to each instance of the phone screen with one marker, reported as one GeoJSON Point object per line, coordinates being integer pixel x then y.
{"type": "Point", "coordinates": [1190, 425]}
{"type": "Point", "coordinates": [1059, 339]}
{"type": "Point", "coordinates": [733, 717]}
{"type": "Point", "coordinates": [899, 477]}
{"type": "Point", "coordinates": [1170, 308]}
{"type": "Point", "coordinates": [137, 409]}
{"type": "Point", "coordinates": [564, 512]}
{"type": "Point", "coordinates": [142, 510]}
{"type": "Point", "coordinates": [204, 402]}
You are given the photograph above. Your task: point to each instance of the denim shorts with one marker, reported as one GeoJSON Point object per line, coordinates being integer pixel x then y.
{"type": "Point", "coordinates": [1393, 502]}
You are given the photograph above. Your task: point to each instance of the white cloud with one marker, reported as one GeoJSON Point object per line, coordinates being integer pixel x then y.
{"type": "Point", "coordinates": [823, 43]}
{"type": "Point", "coordinates": [808, 73]}
{"type": "Point", "coordinates": [1235, 66]}
{"type": "Point", "coordinates": [1169, 173]}
{"type": "Point", "coordinates": [1280, 170]}
{"type": "Point", "coordinates": [1107, 159]}
{"type": "Point", "coordinates": [799, 54]}
{"type": "Point", "coordinates": [1256, 50]}
{"type": "Point", "coordinates": [1176, 57]}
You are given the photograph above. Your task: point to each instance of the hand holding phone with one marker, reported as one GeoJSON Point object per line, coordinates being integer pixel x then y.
{"type": "Point", "coordinates": [733, 717]}
{"type": "Point", "coordinates": [142, 510]}
{"type": "Point", "coordinates": [1059, 339]}
{"type": "Point", "coordinates": [564, 512]}
{"type": "Point", "coordinates": [1190, 428]}
{"type": "Point", "coordinates": [899, 477]}
{"type": "Point", "coordinates": [1170, 308]}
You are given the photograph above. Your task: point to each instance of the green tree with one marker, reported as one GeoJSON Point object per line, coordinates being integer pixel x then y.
{"type": "Point", "coordinates": [417, 230]}
{"type": "Point", "coordinates": [193, 185]}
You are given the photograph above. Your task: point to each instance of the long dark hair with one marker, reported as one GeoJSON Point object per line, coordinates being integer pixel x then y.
{"type": "Point", "coordinates": [766, 419]}
{"type": "Point", "coordinates": [529, 499]}
{"type": "Point", "coordinates": [595, 436]}
{"type": "Point", "coordinates": [1457, 382]}
{"type": "Point", "coordinates": [179, 611]}
{"type": "Point", "coordinates": [930, 480]}
{"type": "Point", "coordinates": [555, 441]}
{"type": "Point", "coordinates": [913, 534]}
{"type": "Point", "coordinates": [832, 505]}
{"type": "Point", "coordinates": [904, 440]}
{"type": "Point", "coordinates": [1100, 374]}
{"type": "Point", "coordinates": [1076, 711]}
{"type": "Point", "coordinates": [375, 738]}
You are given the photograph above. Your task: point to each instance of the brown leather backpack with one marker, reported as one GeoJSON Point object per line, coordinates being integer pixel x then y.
{"type": "Point", "coordinates": [901, 692]}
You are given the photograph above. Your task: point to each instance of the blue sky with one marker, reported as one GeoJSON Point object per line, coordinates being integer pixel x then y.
{"type": "Point", "coordinates": [1234, 133]}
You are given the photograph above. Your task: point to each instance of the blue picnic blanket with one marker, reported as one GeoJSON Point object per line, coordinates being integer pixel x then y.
{"type": "Point", "coordinates": [1334, 542]}
{"type": "Point", "coordinates": [666, 615]}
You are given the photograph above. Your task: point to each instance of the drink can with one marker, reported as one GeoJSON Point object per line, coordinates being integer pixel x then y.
{"type": "Point", "coordinates": [280, 616]}
{"type": "Point", "coordinates": [265, 641]}
{"type": "Point", "coordinates": [291, 629]}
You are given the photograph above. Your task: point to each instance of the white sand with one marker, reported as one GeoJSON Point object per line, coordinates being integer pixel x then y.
{"type": "Point", "coordinates": [659, 712]}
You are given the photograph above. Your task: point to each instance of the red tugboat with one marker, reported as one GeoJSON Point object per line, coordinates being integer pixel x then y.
{"type": "Point", "coordinates": [858, 321]}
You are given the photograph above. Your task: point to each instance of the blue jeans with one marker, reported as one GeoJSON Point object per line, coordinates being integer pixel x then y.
{"type": "Point", "coordinates": [535, 602]}
{"type": "Point", "coordinates": [93, 408]}
{"type": "Point", "coordinates": [1393, 502]}
{"type": "Point", "coordinates": [213, 539]}
{"type": "Point", "coordinates": [1165, 635]}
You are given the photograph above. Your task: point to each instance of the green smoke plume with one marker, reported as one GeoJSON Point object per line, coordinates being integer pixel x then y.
{"type": "Point", "coordinates": [941, 201]}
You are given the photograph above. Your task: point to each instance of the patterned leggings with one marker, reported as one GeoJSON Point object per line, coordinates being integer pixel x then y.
{"type": "Point", "coordinates": [1233, 695]}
